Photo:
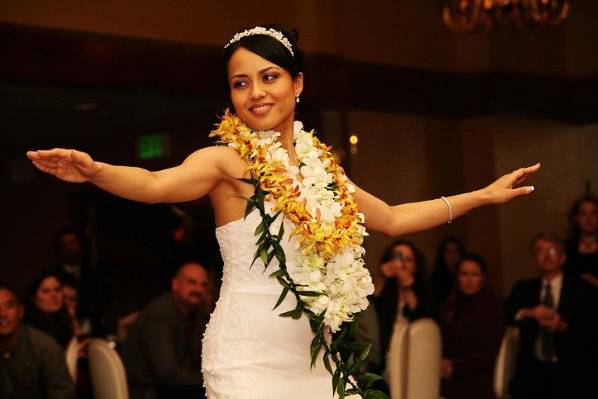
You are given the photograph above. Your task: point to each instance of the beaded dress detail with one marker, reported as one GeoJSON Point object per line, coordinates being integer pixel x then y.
{"type": "Point", "coordinates": [249, 351]}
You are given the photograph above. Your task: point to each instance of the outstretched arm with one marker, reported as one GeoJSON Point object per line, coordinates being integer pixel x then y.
{"type": "Point", "coordinates": [193, 178]}
{"type": "Point", "coordinates": [417, 216]}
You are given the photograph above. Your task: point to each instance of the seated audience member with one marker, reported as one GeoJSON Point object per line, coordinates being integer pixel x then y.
{"type": "Point", "coordinates": [74, 265]}
{"type": "Point", "coordinates": [400, 289]}
{"type": "Point", "coordinates": [82, 330]}
{"type": "Point", "coordinates": [32, 365]}
{"type": "Point", "coordinates": [582, 246]}
{"type": "Point", "coordinates": [442, 280]}
{"type": "Point", "coordinates": [70, 251]}
{"type": "Point", "coordinates": [472, 324]}
{"type": "Point", "coordinates": [162, 350]}
{"type": "Point", "coordinates": [45, 309]}
{"type": "Point", "coordinates": [556, 316]}
{"type": "Point", "coordinates": [70, 294]}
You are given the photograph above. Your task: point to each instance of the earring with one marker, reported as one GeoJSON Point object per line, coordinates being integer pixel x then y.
{"type": "Point", "coordinates": [297, 99]}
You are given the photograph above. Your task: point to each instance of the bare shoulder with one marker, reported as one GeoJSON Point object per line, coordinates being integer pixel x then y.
{"type": "Point", "coordinates": [224, 158]}
{"type": "Point", "coordinates": [215, 151]}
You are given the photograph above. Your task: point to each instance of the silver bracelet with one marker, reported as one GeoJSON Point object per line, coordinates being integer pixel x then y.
{"type": "Point", "coordinates": [450, 208]}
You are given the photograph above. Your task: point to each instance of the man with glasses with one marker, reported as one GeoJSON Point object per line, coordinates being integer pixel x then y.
{"type": "Point", "coordinates": [555, 314]}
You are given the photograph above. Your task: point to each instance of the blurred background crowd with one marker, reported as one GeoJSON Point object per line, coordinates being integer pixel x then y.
{"type": "Point", "coordinates": [415, 110]}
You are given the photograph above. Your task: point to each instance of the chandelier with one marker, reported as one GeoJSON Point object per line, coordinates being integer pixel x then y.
{"type": "Point", "coordinates": [468, 15]}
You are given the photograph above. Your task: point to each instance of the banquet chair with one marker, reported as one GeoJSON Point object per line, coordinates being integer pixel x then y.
{"type": "Point", "coordinates": [506, 361]}
{"type": "Point", "coordinates": [423, 364]}
{"type": "Point", "coordinates": [108, 377]}
{"type": "Point", "coordinates": [396, 360]}
{"type": "Point", "coordinates": [71, 355]}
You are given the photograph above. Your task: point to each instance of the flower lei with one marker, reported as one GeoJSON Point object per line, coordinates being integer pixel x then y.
{"type": "Point", "coordinates": [329, 280]}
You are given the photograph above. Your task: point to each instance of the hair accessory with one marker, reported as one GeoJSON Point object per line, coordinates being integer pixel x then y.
{"type": "Point", "coordinates": [260, 30]}
{"type": "Point", "coordinates": [450, 208]}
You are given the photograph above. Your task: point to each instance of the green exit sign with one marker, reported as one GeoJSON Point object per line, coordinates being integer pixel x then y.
{"type": "Point", "coordinates": [153, 146]}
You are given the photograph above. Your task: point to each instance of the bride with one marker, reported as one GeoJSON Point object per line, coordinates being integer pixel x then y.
{"type": "Point", "coordinates": [272, 182]}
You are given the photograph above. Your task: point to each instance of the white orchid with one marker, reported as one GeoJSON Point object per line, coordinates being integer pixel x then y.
{"type": "Point", "coordinates": [344, 282]}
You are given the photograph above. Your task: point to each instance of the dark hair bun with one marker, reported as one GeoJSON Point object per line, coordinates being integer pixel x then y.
{"type": "Point", "coordinates": [294, 36]}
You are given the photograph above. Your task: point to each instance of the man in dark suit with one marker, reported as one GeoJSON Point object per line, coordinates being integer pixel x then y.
{"type": "Point", "coordinates": [162, 352]}
{"type": "Point", "coordinates": [555, 314]}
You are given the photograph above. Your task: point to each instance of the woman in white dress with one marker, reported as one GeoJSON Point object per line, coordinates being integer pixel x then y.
{"type": "Point", "coordinates": [312, 247]}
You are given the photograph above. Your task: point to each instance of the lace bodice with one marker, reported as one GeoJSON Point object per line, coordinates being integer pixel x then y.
{"type": "Point", "coordinates": [249, 351]}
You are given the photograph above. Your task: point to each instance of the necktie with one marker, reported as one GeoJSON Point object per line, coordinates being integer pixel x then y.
{"type": "Point", "coordinates": [547, 337]}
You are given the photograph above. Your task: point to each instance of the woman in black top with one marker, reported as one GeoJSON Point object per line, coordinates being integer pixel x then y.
{"type": "Point", "coordinates": [472, 322]}
{"type": "Point", "coordinates": [401, 285]}
{"type": "Point", "coordinates": [46, 311]}
{"type": "Point", "coordinates": [582, 246]}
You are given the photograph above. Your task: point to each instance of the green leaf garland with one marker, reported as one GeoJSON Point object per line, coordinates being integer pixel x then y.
{"type": "Point", "coordinates": [344, 350]}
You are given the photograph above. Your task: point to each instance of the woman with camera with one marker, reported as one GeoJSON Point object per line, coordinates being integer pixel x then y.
{"type": "Point", "coordinates": [401, 291]}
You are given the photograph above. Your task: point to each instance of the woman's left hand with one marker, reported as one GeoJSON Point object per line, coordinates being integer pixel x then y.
{"type": "Point", "coordinates": [507, 186]}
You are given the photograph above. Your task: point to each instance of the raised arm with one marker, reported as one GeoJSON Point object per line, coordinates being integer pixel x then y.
{"type": "Point", "coordinates": [193, 178]}
{"type": "Point", "coordinates": [417, 216]}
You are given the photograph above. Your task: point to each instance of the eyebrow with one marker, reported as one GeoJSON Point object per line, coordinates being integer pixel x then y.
{"type": "Point", "coordinates": [238, 75]}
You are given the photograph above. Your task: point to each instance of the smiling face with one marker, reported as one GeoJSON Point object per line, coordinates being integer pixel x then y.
{"type": "Point", "coordinates": [48, 296]}
{"type": "Point", "coordinates": [191, 285]}
{"type": "Point", "coordinates": [262, 92]}
{"type": "Point", "coordinates": [10, 313]}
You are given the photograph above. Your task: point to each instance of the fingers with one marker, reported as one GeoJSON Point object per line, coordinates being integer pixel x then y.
{"type": "Point", "coordinates": [47, 154]}
{"type": "Point", "coordinates": [47, 169]}
{"type": "Point", "coordinates": [521, 174]}
{"type": "Point", "coordinates": [53, 162]}
{"type": "Point", "coordinates": [47, 163]}
{"type": "Point", "coordinates": [522, 190]}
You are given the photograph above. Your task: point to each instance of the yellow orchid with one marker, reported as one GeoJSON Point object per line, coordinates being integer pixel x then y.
{"type": "Point", "coordinates": [327, 241]}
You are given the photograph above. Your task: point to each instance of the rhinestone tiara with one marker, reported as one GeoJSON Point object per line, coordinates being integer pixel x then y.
{"type": "Point", "coordinates": [260, 30]}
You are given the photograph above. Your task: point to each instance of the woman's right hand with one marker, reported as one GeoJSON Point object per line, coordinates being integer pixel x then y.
{"type": "Point", "coordinates": [396, 268]}
{"type": "Point", "coordinates": [391, 268]}
{"type": "Point", "coordinates": [69, 165]}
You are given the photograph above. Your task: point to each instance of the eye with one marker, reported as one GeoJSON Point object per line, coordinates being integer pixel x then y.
{"type": "Point", "coordinates": [269, 77]}
{"type": "Point", "coordinates": [239, 84]}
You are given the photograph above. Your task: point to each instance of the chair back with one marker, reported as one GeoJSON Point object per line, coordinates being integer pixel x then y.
{"type": "Point", "coordinates": [506, 361]}
{"type": "Point", "coordinates": [424, 355]}
{"type": "Point", "coordinates": [72, 355]}
{"type": "Point", "coordinates": [396, 359]}
{"type": "Point", "coordinates": [108, 378]}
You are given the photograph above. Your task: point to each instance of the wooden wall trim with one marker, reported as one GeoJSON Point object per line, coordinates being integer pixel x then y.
{"type": "Point", "coordinates": [58, 57]}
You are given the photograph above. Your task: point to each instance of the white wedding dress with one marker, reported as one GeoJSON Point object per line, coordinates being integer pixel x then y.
{"type": "Point", "coordinates": [249, 351]}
